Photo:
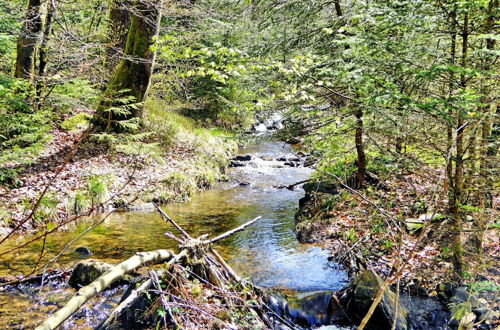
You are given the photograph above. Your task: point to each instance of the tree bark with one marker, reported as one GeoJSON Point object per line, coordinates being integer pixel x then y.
{"type": "Point", "coordinates": [451, 86]}
{"type": "Point", "coordinates": [338, 9]}
{"type": "Point", "coordinates": [44, 50]}
{"type": "Point", "coordinates": [119, 24]}
{"type": "Point", "coordinates": [28, 41]}
{"type": "Point", "coordinates": [133, 74]}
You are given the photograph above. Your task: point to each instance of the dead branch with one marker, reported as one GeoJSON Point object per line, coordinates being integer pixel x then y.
{"type": "Point", "coordinates": [166, 217]}
{"type": "Point", "coordinates": [232, 231]}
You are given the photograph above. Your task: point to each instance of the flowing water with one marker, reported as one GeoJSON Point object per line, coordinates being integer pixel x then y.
{"type": "Point", "coordinates": [267, 252]}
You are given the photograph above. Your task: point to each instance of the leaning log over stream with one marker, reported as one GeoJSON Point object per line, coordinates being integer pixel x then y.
{"type": "Point", "coordinates": [197, 267]}
{"type": "Point", "coordinates": [104, 281]}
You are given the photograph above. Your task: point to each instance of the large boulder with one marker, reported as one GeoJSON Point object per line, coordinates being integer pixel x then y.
{"type": "Point", "coordinates": [85, 272]}
{"type": "Point", "coordinates": [367, 285]}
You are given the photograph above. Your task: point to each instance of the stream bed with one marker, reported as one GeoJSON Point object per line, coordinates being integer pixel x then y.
{"type": "Point", "coordinates": [267, 252]}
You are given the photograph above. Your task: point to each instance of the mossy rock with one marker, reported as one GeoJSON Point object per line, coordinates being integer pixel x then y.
{"type": "Point", "coordinates": [367, 285]}
{"type": "Point", "coordinates": [86, 272]}
{"type": "Point", "coordinates": [321, 187]}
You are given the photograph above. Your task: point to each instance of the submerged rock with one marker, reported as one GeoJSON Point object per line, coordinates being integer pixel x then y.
{"type": "Point", "coordinates": [307, 309]}
{"type": "Point", "coordinates": [83, 251]}
{"type": "Point", "coordinates": [367, 285]}
{"type": "Point", "coordinates": [85, 272]}
{"type": "Point", "coordinates": [236, 164]}
{"type": "Point", "coordinates": [243, 158]}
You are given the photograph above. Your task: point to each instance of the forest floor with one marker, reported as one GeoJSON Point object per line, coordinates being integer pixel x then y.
{"type": "Point", "coordinates": [356, 232]}
{"type": "Point", "coordinates": [99, 173]}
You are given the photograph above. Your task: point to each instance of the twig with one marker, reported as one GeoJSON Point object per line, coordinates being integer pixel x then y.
{"type": "Point", "coordinates": [166, 217]}
{"type": "Point", "coordinates": [231, 272]}
{"type": "Point", "coordinates": [232, 231]}
{"type": "Point", "coordinates": [351, 248]}
{"type": "Point", "coordinates": [291, 186]}
{"type": "Point", "coordinates": [175, 238]}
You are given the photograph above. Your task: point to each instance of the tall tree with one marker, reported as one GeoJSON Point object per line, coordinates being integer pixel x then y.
{"type": "Point", "coordinates": [44, 50]}
{"type": "Point", "coordinates": [29, 40]}
{"type": "Point", "coordinates": [486, 154]}
{"type": "Point", "coordinates": [133, 74]}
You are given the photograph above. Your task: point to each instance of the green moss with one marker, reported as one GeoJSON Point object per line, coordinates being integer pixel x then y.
{"type": "Point", "coordinates": [77, 122]}
{"type": "Point", "coordinates": [180, 185]}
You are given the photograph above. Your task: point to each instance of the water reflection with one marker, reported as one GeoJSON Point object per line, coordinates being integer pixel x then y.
{"type": "Point", "coordinates": [268, 251]}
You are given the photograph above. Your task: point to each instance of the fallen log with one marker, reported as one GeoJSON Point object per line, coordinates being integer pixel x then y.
{"type": "Point", "coordinates": [104, 281]}
{"type": "Point", "coordinates": [199, 257]}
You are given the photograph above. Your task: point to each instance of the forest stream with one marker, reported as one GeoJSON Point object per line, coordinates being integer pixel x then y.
{"type": "Point", "coordinates": [267, 252]}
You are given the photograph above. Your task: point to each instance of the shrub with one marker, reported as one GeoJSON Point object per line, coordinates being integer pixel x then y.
{"type": "Point", "coordinates": [23, 131]}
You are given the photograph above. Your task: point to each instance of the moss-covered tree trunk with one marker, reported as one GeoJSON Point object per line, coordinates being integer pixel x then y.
{"type": "Point", "coordinates": [28, 41]}
{"type": "Point", "coordinates": [119, 24]}
{"type": "Point", "coordinates": [133, 74]}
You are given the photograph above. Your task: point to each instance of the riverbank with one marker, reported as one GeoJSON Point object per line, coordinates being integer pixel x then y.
{"type": "Point", "coordinates": [267, 252]}
{"type": "Point", "coordinates": [168, 161]}
{"type": "Point", "coordinates": [359, 229]}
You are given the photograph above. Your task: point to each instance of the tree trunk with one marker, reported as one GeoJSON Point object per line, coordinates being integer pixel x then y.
{"type": "Point", "coordinates": [134, 71]}
{"type": "Point", "coordinates": [360, 175]}
{"type": "Point", "coordinates": [451, 86]}
{"type": "Point", "coordinates": [338, 9]}
{"type": "Point", "coordinates": [28, 41]}
{"type": "Point", "coordinates": [358, 135]}
{"type": "Point", "coordinates": [456, 200]}
{"type": "Point", "coordinates": [44, 50]}
{"type": "Point", "coordinates": [119, 24]}
{"type": "Point", "coordinates": [484, 159]}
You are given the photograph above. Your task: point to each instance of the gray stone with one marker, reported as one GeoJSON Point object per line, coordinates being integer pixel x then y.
{"type": "Point", "coordinates": [143, 207]}
{"type": "Point", "coordinates": [85, 272]}
{"type": "Point", "coordinates": [236, 164]}
{"type": "Point", "coordinates": [482, 313]}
